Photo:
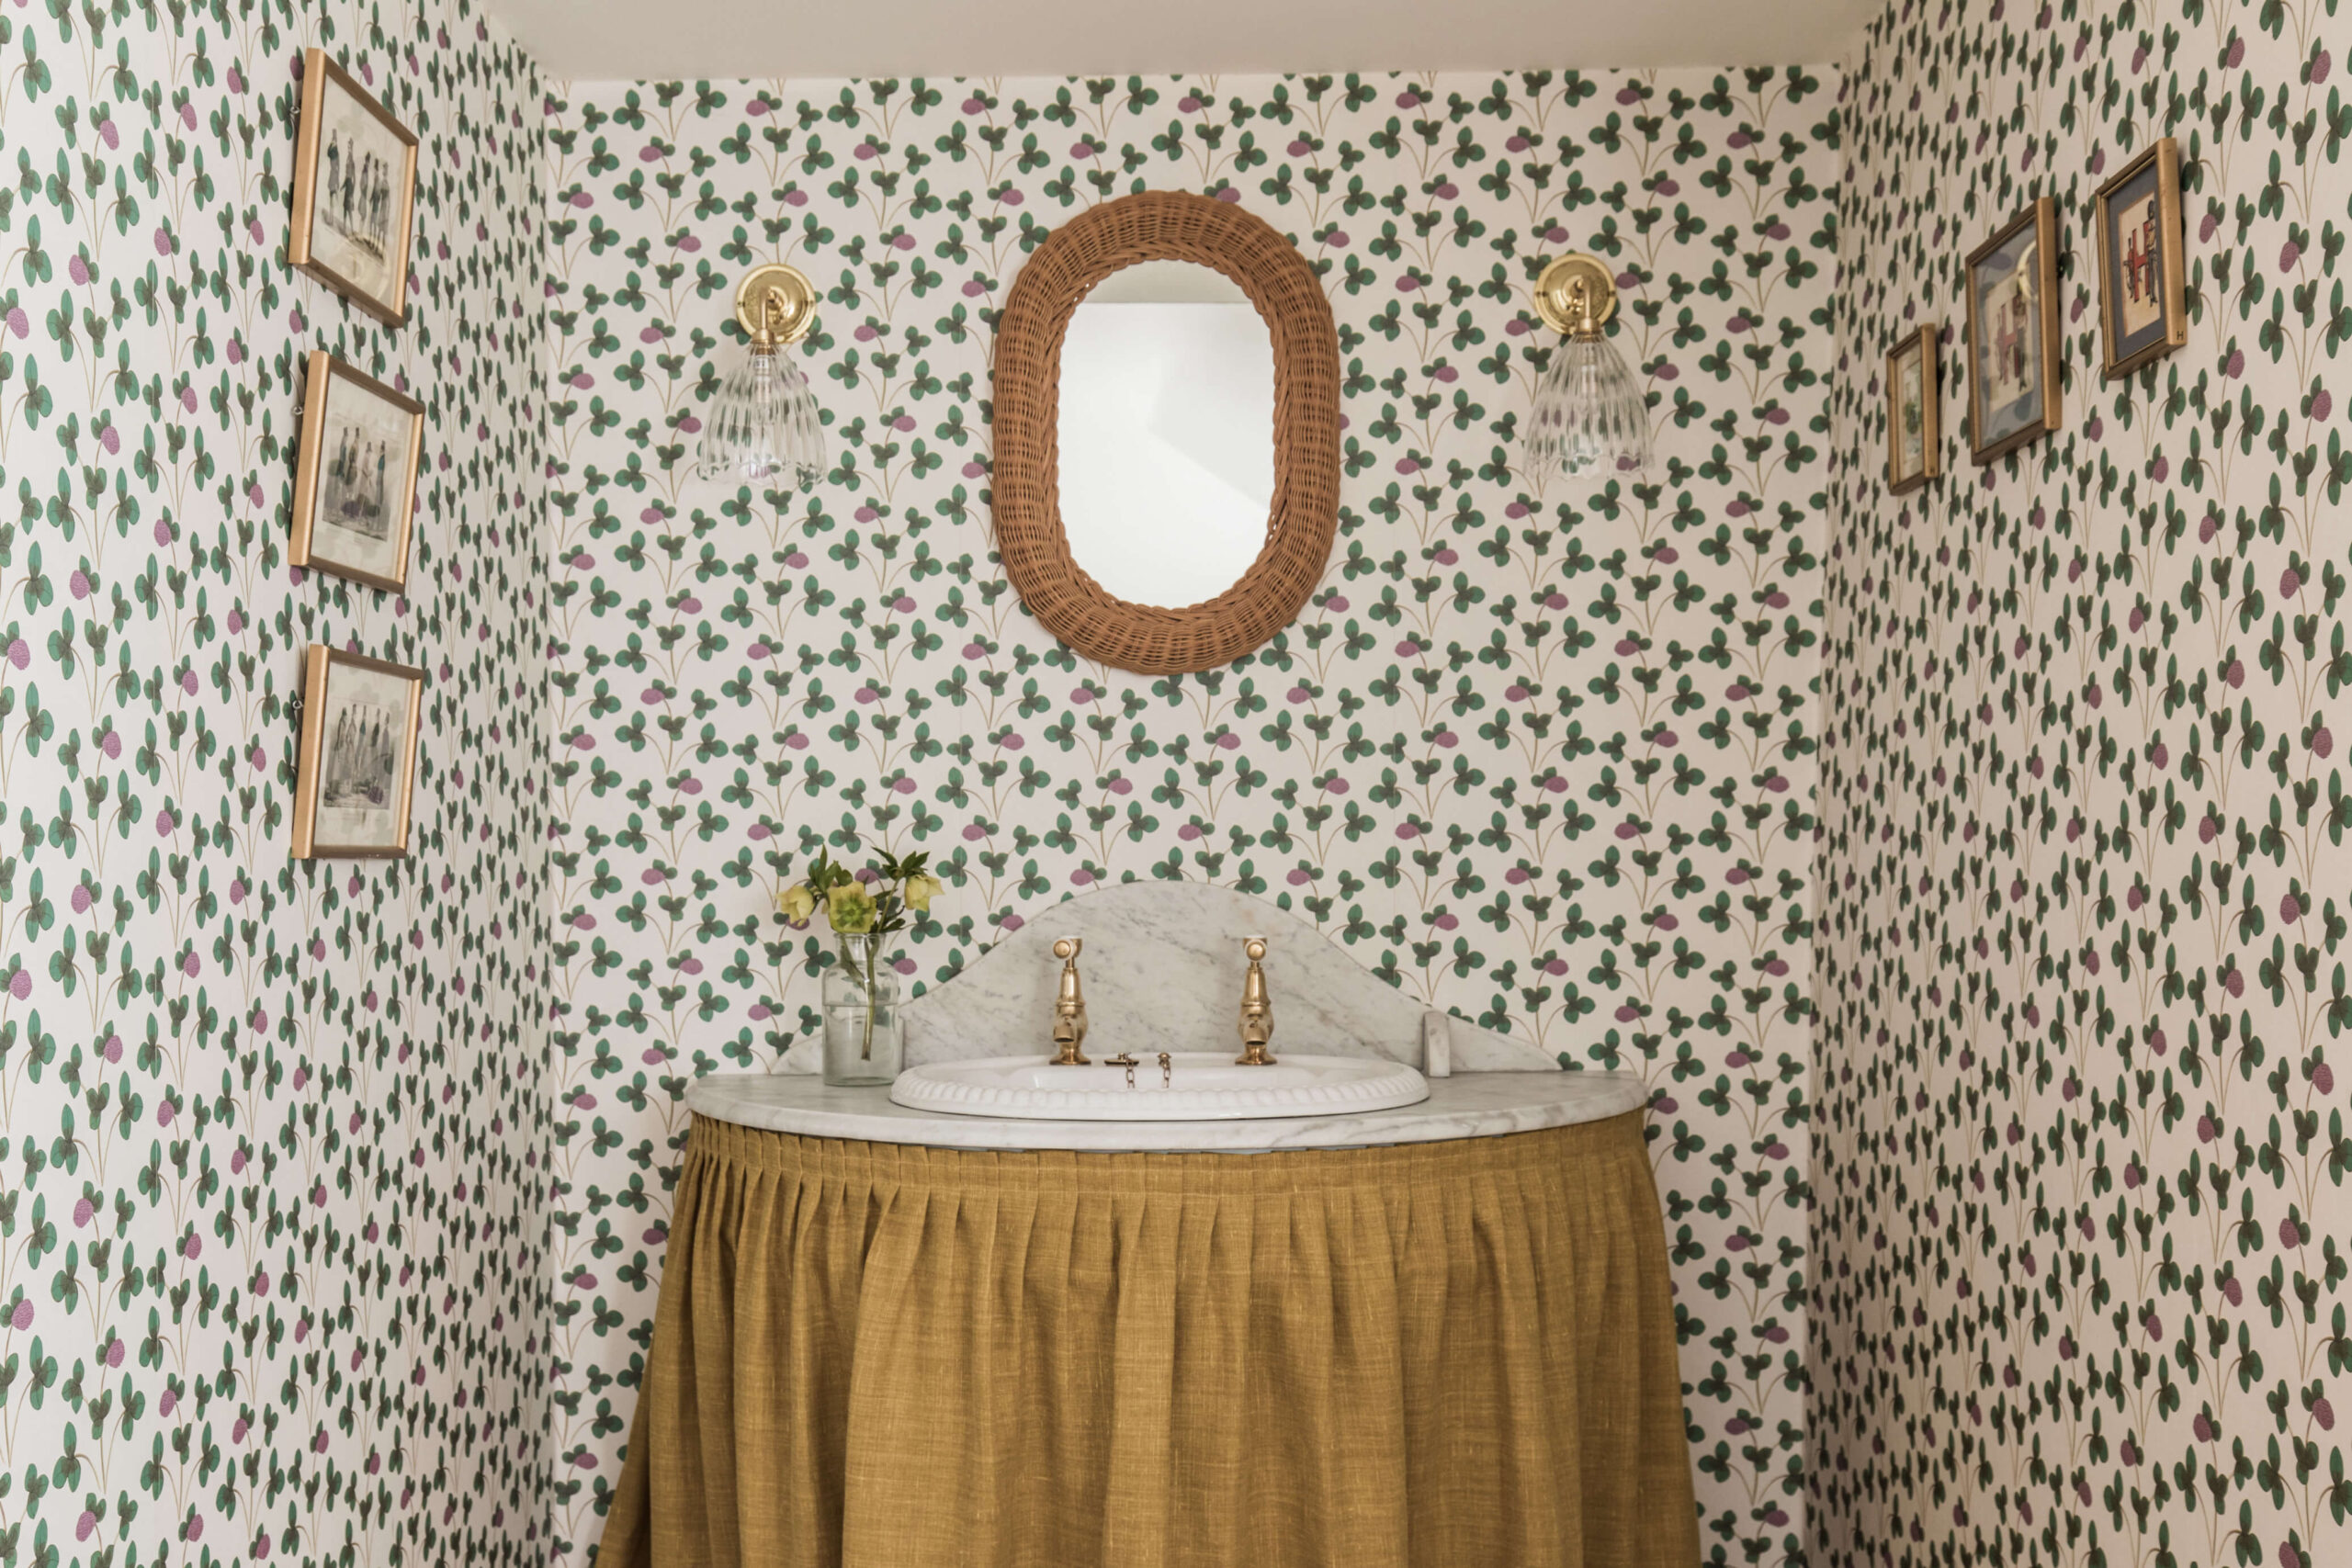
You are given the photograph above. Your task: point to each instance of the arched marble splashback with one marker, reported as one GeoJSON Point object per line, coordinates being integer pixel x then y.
{"type": "Point", "coordinates": [1162, 968]}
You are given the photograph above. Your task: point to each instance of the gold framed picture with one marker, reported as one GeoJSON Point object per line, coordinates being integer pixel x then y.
{"type": "Point", "coordinates": [354, 192]}
{"type": "Point", "coordinates": [355, 479]}
{"type": "Point", "coordinates": [2013, 391]}
{"type": "Point", "coordinates": [355, 768]}
{"type": "Point", "coordinates": [2143, 258]}
{"type": "Point", "coordinates": [1912, 428]}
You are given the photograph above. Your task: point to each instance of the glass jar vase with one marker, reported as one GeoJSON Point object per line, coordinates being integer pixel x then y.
{"type": "Point", "coordinates": [862, 1041]}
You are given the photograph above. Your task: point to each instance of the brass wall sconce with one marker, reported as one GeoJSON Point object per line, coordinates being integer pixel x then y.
{"type": "Point", "coordinates": [763, 426]}
{"type": "Point", "coordinates": [1590, 415]}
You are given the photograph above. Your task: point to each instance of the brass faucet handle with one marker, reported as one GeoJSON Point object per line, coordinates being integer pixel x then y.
{"type": "Point", "coordinates": [1069, 1007]}
{"type": "Point", "coordinates": [1256, 1008]}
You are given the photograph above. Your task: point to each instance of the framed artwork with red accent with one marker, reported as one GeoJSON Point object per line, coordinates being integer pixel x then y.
{"type": "Point", "coordinates": [2142, 261]}
{"type": "Point", "coordinates": [2013, 365]}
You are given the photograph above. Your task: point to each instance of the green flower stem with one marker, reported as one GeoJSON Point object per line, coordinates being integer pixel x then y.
{"type": "Point", "coordinates": [866, 1049]}
{"type": "Point", "coordinates": [849, 961]}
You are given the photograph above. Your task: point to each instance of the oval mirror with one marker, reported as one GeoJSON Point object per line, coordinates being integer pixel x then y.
{"type": "Point", "coordinates": [1167, 432]}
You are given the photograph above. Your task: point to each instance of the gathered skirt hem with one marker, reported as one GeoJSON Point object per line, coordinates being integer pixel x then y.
{"type": "Point", "coordinates": [1430, 1355]}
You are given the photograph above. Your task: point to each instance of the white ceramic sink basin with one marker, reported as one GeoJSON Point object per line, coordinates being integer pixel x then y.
{"type": "Point", "coordinates": [1196, 1085]}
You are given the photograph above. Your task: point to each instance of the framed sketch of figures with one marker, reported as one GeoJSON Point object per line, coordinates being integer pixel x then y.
{"type": "Point", "coordinates": [1911, 425]}
{"type": "Point", "coordinates": [354, 192]}
{"type": "Point", "coordinates": [355, 482]}
{"type": "Point", "coordinates": [2013, 333]}
{"type": "Point", "coordinates": [356, 766]}
{"type": "Point", "coordinates": [2142, 254]}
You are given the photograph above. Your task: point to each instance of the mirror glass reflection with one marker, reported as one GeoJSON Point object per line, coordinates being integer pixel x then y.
{"type": "Point", "coordinates": [1166, 433]}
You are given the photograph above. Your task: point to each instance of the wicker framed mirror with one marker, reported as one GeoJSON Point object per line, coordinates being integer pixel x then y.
{"type": "Point", "coordinates": [1303, 514]}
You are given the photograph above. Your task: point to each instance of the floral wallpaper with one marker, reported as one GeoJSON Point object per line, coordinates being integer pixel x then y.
{"type": "Point", "coordinates": [283, 1270]}
{"type": "Point", "coordinates": [1545, 759]}
{"type": "Point", "coordinates": [2081, 1291]}
{"type": "Point", "coordinates": [273, 1276]}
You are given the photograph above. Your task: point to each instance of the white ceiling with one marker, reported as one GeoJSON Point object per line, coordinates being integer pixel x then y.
{"type": "Point", "coordinates": [720, 39]}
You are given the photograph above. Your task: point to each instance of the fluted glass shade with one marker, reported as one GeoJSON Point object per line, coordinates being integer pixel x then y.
{"type": "Point", "coordinates": [1590, 417]}
{"type": "Point", "coordinates": [763, 427]}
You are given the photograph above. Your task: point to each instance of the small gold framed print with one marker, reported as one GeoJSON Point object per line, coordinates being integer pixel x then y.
{"type": "Point", "coordinates": [355, 480]}
{"type": "Point", "coordinates": [2143, 253]}
{"type": "Point", "coordinates": [1913, 436]}
{"type": "Point", "coordinates": [354, 192]}
{"type": "Point", "coordinates": [356, 768]}
{"type": "Point", "coordinates": [2013, 346]}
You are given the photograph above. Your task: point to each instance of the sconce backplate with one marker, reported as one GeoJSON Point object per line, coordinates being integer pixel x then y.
{"type": "Point", "coordinates": [1555, 291]}
{"type": "Point", "coordinates": [796, 296]}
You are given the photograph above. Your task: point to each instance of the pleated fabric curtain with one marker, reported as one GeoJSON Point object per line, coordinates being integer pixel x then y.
{"type": "Point", "coordinates": [1456, 1355]}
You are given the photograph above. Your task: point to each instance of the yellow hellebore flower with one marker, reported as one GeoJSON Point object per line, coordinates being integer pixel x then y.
{"type": "Point", "coordinates": [798, 904]}
{"type": "Point", "coordinates": [920, 891]}
{"type": "Point", "coordinates": [850, 909]}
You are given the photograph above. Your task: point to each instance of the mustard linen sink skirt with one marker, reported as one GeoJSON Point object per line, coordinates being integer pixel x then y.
{"type": "Point", "coordinates": [1454, 1355]}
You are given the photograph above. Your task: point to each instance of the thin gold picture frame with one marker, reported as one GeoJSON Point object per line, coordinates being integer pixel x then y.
{"type": "Point", "coordinates": [2043, 216]}
{"type": "Point", "coordinates": [2172, 245]}
{"type": "Point", "coordinates": [319, 664]}
{"type": "Point", "coordinates": [1922, 341]}
{"type": "Point", "coordinates": [321, 74]}
{"type": "Point", "coordinates": [324, 370]}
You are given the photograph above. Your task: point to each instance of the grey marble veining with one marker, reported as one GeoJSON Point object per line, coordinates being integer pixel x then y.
{"type": "Point", "coordinates": [1478, 1105]}
{"type": "Point", "coordinates": [1163, 970]}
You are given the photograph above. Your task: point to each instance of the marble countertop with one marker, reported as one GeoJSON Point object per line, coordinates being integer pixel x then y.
{"type": "Point", "coordinates": [1467, 1105]}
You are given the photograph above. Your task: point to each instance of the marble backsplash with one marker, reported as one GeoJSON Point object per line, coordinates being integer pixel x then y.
{"type": "Point", "coordinates": [1162, 968]}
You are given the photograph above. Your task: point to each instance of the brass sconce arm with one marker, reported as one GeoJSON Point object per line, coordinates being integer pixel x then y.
{"type": "Point", "coordinates": [1577, 295]}
{"type": "Point", "coordinates": [775, 305]}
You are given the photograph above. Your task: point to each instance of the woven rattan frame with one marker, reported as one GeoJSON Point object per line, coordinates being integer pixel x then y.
{"type": "Point", "coordinates": [1154, 226]}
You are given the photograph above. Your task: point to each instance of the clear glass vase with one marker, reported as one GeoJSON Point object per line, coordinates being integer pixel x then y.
{"type": "Point", "coordinates": [862, 1042]}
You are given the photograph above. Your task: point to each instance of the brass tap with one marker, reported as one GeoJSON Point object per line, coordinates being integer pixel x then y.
{"type": "Point", "coordinates": [1257, 1009]}
{"type": "Point", "coordinates": [1070, 1007]}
